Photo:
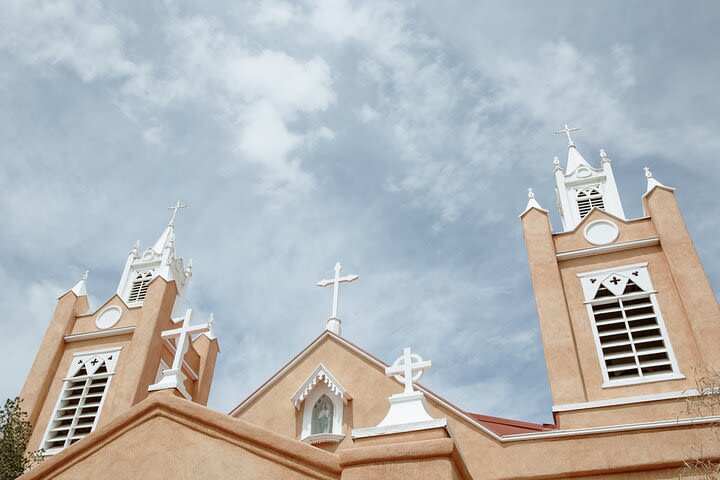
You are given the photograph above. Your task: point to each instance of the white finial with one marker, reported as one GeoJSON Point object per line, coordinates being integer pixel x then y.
{"type": "Point", "coordinates": [211, 327]}
{"type": "Point", "coordinates": [175, 209]}
{"type": "Point", "coordinates": [80, 288]}
{"type": "Point", "coordinates": [134, 250]}
{"type": "Point", "coordinates": [174, 376]}
{"type": "Point", "coordinates": [408, 369]}
{"type": "Point", "coordinates": [652, 181]}
{"type": "Point", "coordinates": [188, 269]}
{"type": "Point", "coordinates": [333, 323]}
{"type": "Point", "coordinates": [532, 203]}
{"type": "Point", "coordinates": [567, 131]}
{"type": "Point", "coordinates": [556, 164]}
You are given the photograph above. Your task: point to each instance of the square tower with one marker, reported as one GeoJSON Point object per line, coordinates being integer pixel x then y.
{"type": "Point", "coordinates": [626, 311]}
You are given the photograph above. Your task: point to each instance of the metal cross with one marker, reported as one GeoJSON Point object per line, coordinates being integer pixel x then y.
{"type": "Point", "coordinates": [567, 131]}
{"type": "Point", "coordinates": [175, 209]}
{"type": "Point", "coordinates": [407, 371]}
{"type": "Point", "coordinates": [335, 282]}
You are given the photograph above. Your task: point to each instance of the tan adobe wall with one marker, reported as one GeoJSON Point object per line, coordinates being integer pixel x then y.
{"type": "Point", "coordinates": [680, 334]}
{"type": "Point", "coordinates": [630, 230]}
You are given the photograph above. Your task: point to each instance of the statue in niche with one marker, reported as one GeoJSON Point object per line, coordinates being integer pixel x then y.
{"type": "Point", "coordinates": [322, 416]}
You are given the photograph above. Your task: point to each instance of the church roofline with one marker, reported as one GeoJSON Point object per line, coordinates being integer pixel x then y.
{"type": "Point", "coordinates": [167, 405]}
{"type": "Point", "coordinates": [477, 420]}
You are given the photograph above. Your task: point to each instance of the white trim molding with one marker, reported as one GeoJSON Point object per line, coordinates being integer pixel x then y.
{"type": "Point", "coordinates": [399, 428]}
{"type": "Point", "coordinates": [320, 375]}
{"type": "Point", "coordinates": [626, 427]}
{"type": "Point", "coordinates": [110, 332]}
{"type": "Point", "coordinates": [323, 438]}
{"type": "Point", "coordinates": [657, 397]}
{"type": "Point", "coordinates": [615, 247]}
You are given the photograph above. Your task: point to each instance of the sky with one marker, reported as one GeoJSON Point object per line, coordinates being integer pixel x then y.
{"type": "Point", "coordinates": [398, 138]}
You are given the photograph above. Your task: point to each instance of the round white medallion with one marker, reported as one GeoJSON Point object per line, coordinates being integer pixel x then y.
{"type": "Point", "coordinates": [583, 172]}
{"type": "Point", "coordinates": [601, 232]}
{"type": "Point", "coordinates": [108, 317]}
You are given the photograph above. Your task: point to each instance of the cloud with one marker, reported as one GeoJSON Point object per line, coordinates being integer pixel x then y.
{"type": "Point", "coordinates": [30, 304]}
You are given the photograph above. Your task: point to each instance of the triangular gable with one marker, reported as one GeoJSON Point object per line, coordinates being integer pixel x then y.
{"type": "Point", "coordinates": [168, 437]}
{"type": "Point", "coordinates": [596, 213]}
{"type": "Point", "coordinates": [374, 361]}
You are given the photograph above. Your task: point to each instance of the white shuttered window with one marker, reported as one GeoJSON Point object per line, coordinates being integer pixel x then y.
{"type": "Point", "coordinates": [81, 399]}
{"type": "Point", "coordinates": [630, 335]}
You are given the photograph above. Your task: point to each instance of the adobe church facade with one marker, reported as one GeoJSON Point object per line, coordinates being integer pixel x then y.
{"type": "Point", "coordinates": [626, 314]}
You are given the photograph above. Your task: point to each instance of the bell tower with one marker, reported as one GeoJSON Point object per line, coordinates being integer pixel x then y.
{"type": "Point", "coordinates": [581, 187]}
{"type": "Point", "coordinates": [93, 365]}
{"type": "Point", "coordinates": [626, 311]}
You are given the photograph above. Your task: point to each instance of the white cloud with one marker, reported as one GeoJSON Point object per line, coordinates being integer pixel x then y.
{"type": "Point", "coordinates": [274, 14]}
{"type": "Point", "coordinates": [30, 305]}
{"type": "Point", "coordinates": [366, 113]}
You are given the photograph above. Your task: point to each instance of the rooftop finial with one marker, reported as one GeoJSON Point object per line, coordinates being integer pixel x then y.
{"type": "Point", "coordinates": [603, 155]}
{"type": "Point", "coordinates": [531, 194]}
{"type": "Point", "coordinates": [80, 288]}
{"type": "Point", "coordinates": [567, 131]}
{"type": "Point", "coordinates": [175, 209]}
{"type": "Point", "coordinates": [648, 173]}
{"type": "Point", "coordinates": [211, 327]}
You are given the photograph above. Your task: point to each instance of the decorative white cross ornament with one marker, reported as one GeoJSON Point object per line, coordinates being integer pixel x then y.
{"type": "Point", "coordinates": [408, 369]}
{"type": "Point", "coordinates": [334, 321]}
{"type": "Point", "coordinates": [567, 131]}
{"type": "Point", "coordinates": [175, 209]}
{"type": "Point", "coordinates": [174, 377]}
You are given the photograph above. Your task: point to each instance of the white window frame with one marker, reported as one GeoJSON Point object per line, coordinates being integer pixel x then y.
{"type": "Point", "coordinates": [320, 382]}
{"type": "Point", "coordinates": [586, 188]}
{"type": "Point", "coordinates": [133, 274]}
{"type": "Point", "coordinates": [80, 359]}
{"type": "Point", "coordinates": [591, 282]}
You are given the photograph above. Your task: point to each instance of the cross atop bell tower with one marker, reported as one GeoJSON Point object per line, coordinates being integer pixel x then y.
{"type": "Point", "coordinates": [581, 187]}
{"type": "Point", "coordinates": [159, 260]}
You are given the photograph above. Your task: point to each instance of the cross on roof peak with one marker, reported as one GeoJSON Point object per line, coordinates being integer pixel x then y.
{"type": "Point", "coordinates": [335, 282]}
{"type": "Point", "coordinates": [175, 209]}
{"type": "Point", "coordinates": [567, 131]}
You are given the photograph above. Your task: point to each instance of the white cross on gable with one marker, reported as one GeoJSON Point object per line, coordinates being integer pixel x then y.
{"type": "Point", "coordinates": [174, 377]}
{"type": "Point", "coordinates": [335, 282]}
{"type": "Point", "coordinates": [408, 369]}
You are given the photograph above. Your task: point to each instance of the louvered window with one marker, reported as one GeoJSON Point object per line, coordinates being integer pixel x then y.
{"type": "Point", "coordinates": [631, 338]}
{"type": "Point", "coordinates": [82, 396]}
{"type": "Point", "coordinates": [589, 198]}
{"type": "Point", "coordinates": [139, 286]}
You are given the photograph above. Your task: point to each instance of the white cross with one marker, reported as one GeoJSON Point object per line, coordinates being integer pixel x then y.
{"type": "Point", "coordinates": [174, 377]}
{"type": "Point", "coordinates": [182, 344]}
{"type": "Point", "coordinates": [407, 371]}
{"type": "Point", "coordinates": [175, 209]}
{"type": "Point", "coordinates": [335, 282]}
{"type": "Point", "coordinates": [567, 131]}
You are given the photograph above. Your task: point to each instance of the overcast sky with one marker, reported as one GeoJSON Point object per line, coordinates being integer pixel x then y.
{"type": "Point", "coordinates": [396, 137]}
